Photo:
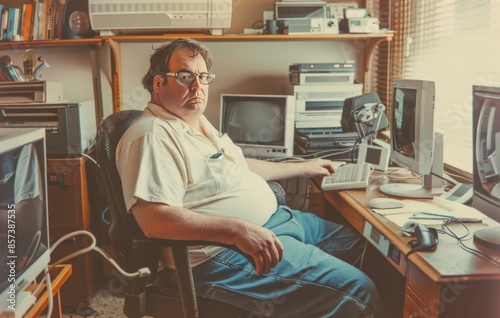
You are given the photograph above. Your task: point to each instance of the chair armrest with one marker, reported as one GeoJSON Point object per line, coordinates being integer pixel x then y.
{"type": "Point", "coordinates": [184, 273]}
{"type": "Point", "coordinates": [279, 192]}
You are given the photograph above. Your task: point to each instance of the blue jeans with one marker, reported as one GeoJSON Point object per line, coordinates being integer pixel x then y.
{"type": "Point", "coordinates": [312, 280]}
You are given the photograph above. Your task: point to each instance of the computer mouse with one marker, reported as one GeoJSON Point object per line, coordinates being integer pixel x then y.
{"type": "Point", "coordinates": [426, 239]}
{"type": "Point", "coordinates": [385, 203]}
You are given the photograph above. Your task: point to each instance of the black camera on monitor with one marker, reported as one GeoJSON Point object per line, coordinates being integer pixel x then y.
{"type": "Point", "coordinates": [364, 114]}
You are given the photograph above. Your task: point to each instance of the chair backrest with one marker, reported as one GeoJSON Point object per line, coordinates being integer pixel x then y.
{"type": "Point", "coordinates": [133, 249]}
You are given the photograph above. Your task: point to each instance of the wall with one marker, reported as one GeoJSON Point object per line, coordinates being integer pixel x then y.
{"type": "Point", "coordinates": [240, 67]}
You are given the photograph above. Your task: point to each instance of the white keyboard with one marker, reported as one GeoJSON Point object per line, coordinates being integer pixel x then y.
{"type": "Point", "coordinates": [349, 176]}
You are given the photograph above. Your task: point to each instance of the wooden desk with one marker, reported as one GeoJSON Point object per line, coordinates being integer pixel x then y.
{"type": "Point", "coordinates": [58, 275]}
{"type": "Point", "coordinates": [449, 282]}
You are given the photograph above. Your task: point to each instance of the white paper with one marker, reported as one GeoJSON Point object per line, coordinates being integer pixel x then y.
{"type": "Point", "coordinates": [437, 206]}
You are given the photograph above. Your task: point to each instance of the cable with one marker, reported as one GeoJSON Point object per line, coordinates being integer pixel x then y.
{"type": "Point", "coordinates": [90, 158]}
{"type": "Point", "coordinates": [92, 247]}
{"type": "Point", "coordinates": [446, 230]}
{"type": "Point", "coordinates": [361, 259]}
{"type": "Point", "coordinates": [50, 305]}
{"type": "Point", "coordinates": [447, 179]}
{"type": "Point", "coordinates": [143, 272]}
{"type": "Point", "coordinates": [103, 214]}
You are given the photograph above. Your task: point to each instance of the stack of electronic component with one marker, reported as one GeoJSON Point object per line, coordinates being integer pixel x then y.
{"type": "Point", "coordinates": [320, 90]}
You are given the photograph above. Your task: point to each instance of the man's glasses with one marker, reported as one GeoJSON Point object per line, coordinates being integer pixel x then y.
{"type": "Point", "coordinates": [187, 78]}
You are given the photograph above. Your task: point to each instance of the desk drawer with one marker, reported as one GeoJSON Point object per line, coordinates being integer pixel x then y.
{"type": "Point", "coordinates": [423, 291]}
{"type": "Point", "coordinates": [412, 309]}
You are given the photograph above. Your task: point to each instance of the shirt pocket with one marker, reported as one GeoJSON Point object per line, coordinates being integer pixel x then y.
{"type": "Point", "coordinates": [225, 173]}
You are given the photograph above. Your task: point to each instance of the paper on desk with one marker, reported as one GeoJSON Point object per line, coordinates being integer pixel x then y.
{"type": "Point", "coordinates": [437, 205]}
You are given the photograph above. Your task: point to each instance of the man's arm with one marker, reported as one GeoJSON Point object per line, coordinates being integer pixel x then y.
{"type": "Point", "coordinates": [286, 170]}
{"type": "Point", "coordinates": [162, 221]}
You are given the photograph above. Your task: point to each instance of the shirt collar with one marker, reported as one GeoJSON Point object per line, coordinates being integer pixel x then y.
{"type": "Point", "coordinates": [178, 124]}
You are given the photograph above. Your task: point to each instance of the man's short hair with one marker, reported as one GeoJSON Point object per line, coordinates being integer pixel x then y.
{"type": "Point", "coordinates": [160, 59]}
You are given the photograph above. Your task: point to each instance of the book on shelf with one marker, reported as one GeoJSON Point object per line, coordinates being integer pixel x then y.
{"type": "Point", "coordinates": [25, 22]}
{"type": "Point", "coordinates": [12, 23]}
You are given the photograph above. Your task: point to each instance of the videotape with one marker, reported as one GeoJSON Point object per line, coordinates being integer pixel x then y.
{"type": "Point", "coordinates": [297, 78]}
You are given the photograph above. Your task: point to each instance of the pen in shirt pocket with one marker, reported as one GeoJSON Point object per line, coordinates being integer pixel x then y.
{"type": "Point", "coordinates": [218, 154]}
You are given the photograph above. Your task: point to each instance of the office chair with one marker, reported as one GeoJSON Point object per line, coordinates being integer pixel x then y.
{"type": "Point", "coordinates": [146, 295]}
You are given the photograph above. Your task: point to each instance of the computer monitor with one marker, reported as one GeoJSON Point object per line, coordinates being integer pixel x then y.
{"type": "Point", "coordinates": [262, 125]}
{"type": "Point", "coordinates": [414, 143]}
{"type": "Point", "coordinates": [486, 161]}
{"type": "Point", "coordinates": [24, 236]}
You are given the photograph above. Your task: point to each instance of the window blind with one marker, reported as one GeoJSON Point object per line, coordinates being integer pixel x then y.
{"type": "Point", "coordinates": [455, 44]}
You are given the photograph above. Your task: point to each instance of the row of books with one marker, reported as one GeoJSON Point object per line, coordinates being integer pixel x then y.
{"type": "Point", "coordinates": [39, 20]}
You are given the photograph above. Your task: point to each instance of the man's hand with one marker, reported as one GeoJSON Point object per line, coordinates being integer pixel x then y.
{"type": "Point", "coordinates": [292, 169]}
{"type": "Point", "coordinates": [262, 245]}
{"type": "Point", "coordinates": [316, 168]}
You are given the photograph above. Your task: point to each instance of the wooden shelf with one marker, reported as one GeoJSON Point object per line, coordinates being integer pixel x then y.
{"type": "Point", "coordinates": [251, 37]}
{"type": "Point", "coordinates": [51, 43]}
{"type": "Point", "coordinates": [201, 37]}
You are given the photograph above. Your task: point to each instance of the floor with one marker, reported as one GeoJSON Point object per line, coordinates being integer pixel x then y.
{"type": "Point", "coordinates": [104, 305]}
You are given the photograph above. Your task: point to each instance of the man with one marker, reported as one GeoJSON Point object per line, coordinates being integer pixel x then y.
{"type": "Point", "coordinates": [183, 180]}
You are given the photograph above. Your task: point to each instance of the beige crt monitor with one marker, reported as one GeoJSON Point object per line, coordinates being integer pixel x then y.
{"type": "Point", "coordinates": [414, 143]}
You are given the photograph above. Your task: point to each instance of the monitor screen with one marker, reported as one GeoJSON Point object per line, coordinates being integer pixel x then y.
{"type": "Point", "coordinates": [262, 125]}
{"type": "Point", "coordinates": [486, 139]}
{"type": "Point", "coordinates": [24, 240]}
{"type": "Point", "coordinates": [413, 143]}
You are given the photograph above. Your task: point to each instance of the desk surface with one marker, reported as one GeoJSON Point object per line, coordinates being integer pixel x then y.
{"type": "Point", "coordinates": [448, 262]}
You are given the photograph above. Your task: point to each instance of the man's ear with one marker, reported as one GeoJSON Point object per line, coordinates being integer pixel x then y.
{"type": "Point", "coordinates": [158, 81]}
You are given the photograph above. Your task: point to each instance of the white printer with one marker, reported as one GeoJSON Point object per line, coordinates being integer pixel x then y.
{"type": "Point", "coordinates": [112, 17]}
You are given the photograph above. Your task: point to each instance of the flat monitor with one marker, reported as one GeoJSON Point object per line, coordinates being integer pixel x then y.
{"type": "Point", "coordinates": [24, 236]}
{"type": "Point", "coordinates": [262, 125]}
{"type": "Point", "coordinates": [414, 143]}
{"type": "Point", "coordinates": [486, 161]}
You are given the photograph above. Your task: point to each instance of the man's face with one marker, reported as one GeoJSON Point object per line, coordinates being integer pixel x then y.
{"type": "Point", "coordinates": [188, 102]}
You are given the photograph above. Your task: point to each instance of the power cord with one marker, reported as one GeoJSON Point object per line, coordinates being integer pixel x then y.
{"type": "Point", "coordinates": [446, 230]}
{"type": "Point", "coordinates": [93, 247]}
{"type": "Point", "coordinates": [143, 272]}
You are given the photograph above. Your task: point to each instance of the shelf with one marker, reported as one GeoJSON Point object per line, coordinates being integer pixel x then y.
{"type": "Point", "coordinates": [200, 37]}
{"type": "Point", "coordinates": [52, 43]}
{"type": "Point", "coordinates": [251, 37]}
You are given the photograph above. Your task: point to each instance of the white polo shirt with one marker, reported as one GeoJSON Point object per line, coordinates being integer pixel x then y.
{"type": "Point", "coordinates": [162, 159]}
